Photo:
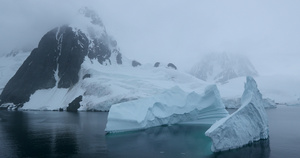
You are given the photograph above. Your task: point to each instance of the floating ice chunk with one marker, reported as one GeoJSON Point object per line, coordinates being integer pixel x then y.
{"type": "Point", "coordinates": [171, 107]}
{"type": "Point", "coordinates": [249, 123]}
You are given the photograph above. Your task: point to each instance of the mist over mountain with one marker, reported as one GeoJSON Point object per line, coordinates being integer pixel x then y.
{"type": "Point", "coordinates": [79, 62]}
{"type": "Point", "coordinates": [144, 80]}
{"type": "Point", "coordinates": [221, 67]}
{"type": "Point", "coordinates": [57, 60]}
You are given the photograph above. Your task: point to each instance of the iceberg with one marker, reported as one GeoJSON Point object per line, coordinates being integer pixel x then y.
{"type": "Point", "coordinates": [249, 123]}
{"type": "Point", "coordinates": [170, 107]}
{"type": "Point", "coordinates": [235, 103]}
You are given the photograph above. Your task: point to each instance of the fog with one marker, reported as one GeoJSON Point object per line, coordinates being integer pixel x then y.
{"type": "Point", "coordinates": [177, 31]}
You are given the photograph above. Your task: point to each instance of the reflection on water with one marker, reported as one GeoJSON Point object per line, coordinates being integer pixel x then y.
{"type": "Point", "coordinates": [259, 149]}
{"type": "Point", "coordinates": [66, 144]}
{"type": "Point", "coordinates": [28, 143]}
{"type": "Point", "coordinates": [177, 141]}
{"type": "Point", "coordinates": [31, 136]}
{"type": "Point", "coordinates": [63, 134]}
{"type": "Point", "coordinates": [167, 141]}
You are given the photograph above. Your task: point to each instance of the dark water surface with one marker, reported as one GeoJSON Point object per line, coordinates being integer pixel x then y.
{"type": "Point", "coordinates": [63, 134]}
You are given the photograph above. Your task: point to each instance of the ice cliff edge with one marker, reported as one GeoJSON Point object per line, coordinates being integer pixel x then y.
{"type": "Point", "coordinates": [170, 107]}
{"type": "Point", "coordinates": [249, 123]}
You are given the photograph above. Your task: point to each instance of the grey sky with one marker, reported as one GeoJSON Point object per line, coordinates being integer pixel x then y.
{"type": "Point", "coordinates": [267, 31]}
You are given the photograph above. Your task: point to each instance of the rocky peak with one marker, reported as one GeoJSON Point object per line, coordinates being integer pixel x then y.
{"type": "Point", "coordinates": [57, 60]}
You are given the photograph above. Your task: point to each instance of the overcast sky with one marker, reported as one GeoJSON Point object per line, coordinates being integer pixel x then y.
{"type": "Point", "coordinates": [178, 31]}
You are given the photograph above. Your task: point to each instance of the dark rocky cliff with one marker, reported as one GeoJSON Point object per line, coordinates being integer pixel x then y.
{"type": "Point", "coordinates": [55, 62]}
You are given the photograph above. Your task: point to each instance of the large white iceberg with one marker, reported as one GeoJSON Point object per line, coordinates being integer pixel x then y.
{"type": "Point", "coordinates": [249, 123]}
{"type": "Point", "coordinates": [170, 107]}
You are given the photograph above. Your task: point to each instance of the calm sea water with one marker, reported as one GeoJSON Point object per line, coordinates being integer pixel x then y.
{"type": "Point", "coordinates": [63, 134]}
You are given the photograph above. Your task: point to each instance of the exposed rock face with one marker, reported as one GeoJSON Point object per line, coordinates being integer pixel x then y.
{"type": "Point", "coordinates": [75, 104]}
{"type": "Point", "coordinates": [99, 47]}
{"type": "Point", "coordinates": [221, 67]}
{"type": "Point", "coordinates": [136, 63]}
{"type": "Point", "coordinates": [157, 64]}
{"type": "Point", "coordinates": [70, 55]}
{"type": "Point", "coordinates": [57, 60]}
{"type": "Point", "coordinates": [86, 76]}
{"type": "Point", "coordinates": [171, 65]}
{"type": "Point", "coordinates": [119, 58]}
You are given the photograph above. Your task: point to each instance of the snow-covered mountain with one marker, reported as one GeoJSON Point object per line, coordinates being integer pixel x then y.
{"type": "Point", "coordinates": [80, 62]}
{"type": "Point", "coordinates": [221, 67]}
{"type": "Point", "coordinates": [57, 60]}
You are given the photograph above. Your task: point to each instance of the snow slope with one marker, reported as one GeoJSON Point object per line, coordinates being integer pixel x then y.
{"type": "Point", "coordinates": [280, 89]}
{"type": "Point", "coordinates": [9, 64]}
{"type": "Point", "coordinates": [111, 84]}
{"type": "Point", "coordinates": [249, 123]}
{"type": "Point", "coordinates": [172, 106]}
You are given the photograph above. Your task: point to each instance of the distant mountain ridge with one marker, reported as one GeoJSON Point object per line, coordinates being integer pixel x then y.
{"type": "Point", "coordinates": [221, 67]}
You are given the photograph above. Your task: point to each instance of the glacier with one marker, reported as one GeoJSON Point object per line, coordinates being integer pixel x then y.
{"type": "Point", "coordinates": [112, 84]}
{"type": "Point", "coordinates": [249, 123]}
{"type": "Point", "coordinates": [169, 107]}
